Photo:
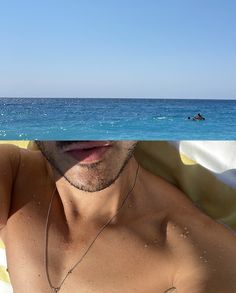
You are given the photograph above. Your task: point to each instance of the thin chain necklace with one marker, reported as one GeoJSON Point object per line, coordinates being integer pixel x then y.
{"type": "Point", "coordinates": [58, 288]}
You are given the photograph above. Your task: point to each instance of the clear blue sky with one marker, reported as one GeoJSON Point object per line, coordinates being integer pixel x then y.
{"type": "Point", "coordinates": [118, 48]}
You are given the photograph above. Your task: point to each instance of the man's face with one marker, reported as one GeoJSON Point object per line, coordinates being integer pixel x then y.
{"type": "Point", "coordinates": [88, 165]}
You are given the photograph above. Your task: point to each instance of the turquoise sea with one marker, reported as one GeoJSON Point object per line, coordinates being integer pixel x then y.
{"type": "Point", "coordinates": [139, 119]}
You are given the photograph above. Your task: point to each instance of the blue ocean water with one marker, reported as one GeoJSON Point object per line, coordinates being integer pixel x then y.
{"type": "Point", "coordinates": [139, 119]}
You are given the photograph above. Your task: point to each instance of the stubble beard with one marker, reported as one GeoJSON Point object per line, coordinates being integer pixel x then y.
{"type": "Point", "coordinates": [101, 183]}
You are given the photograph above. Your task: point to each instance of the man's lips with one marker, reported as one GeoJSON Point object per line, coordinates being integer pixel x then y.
{"type": "Point", "coordinates": [87, 151]}
{"type": "Point", "coordinates": [83, 145]}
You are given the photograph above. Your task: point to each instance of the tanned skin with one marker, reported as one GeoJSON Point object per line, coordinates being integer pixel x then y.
{"type": "Point", "coordinates": [159, 242]}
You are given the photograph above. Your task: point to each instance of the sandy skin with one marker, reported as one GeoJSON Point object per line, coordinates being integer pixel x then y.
{"type": "Point", "coordinates": [158, 242]}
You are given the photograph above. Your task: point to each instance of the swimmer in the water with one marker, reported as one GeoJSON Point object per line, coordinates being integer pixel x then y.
{"type": "Point", "coordinates": [197, 117]}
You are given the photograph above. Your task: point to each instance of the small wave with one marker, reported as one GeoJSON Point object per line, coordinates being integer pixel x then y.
{"type": "Point", "coordinates": [2, 133]}
{"type": "Point", "coordinates": [160, 118]}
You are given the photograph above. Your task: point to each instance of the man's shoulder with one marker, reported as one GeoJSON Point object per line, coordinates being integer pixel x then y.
{"type": "Point", "coordinates": [205, 250]}
{"type": "Point", "coordinates": [9, 160]}
{"type": "Point", "coordinates": [15, 160]}
{"type": "Point", "coordinates": [7, 149]}
{"type": "Point", "coordinates": [16, 165]}
{"type": "Point", "coordinates": [32, 163]}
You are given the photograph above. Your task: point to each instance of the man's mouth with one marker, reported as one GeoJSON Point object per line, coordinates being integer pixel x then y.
{"type": "Point", "coordinates": [87, 152]}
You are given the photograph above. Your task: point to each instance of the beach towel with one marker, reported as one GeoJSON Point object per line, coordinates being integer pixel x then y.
{"type": "Point", "coordinates": [204, 170]}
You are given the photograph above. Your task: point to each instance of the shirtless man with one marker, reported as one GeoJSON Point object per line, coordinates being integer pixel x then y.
{"type": "Point", "coordinates": [92, 220]}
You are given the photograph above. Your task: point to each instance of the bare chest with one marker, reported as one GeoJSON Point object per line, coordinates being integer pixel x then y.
{"type": "Point", "coordinates": [120, 260]}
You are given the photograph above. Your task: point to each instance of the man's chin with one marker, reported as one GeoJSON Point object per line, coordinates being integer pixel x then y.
{"type": "Point", "coordinates": [89, 188]}
{"type": "Point", "coordinates": [94, 186]}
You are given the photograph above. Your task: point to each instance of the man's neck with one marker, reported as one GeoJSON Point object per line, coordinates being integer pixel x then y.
{"type": "Point", "coordinates": [99, 206]}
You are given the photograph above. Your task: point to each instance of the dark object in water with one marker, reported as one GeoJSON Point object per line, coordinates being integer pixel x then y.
{"type": "Point", "coordinates": [197, 117]}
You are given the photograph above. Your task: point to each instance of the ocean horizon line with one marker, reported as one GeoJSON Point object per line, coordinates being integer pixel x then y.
{"type": "Point", "coordinates": [146, 98]}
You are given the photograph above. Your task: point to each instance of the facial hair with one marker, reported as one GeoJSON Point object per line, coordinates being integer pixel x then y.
{"type": "Point", "coordinates": [101, 183]}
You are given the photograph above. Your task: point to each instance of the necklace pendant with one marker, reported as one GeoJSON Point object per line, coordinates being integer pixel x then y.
{"type": "Point", "coordinates": [55, 289]}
